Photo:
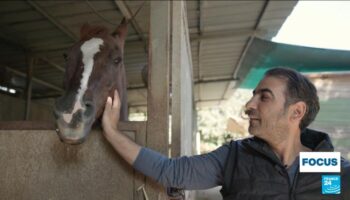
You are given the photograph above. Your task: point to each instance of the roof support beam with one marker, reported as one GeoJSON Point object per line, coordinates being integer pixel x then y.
{"type": "Point", "coordinates": [53, 64]}
{"type": "Point", "coordinates": [124, 9]}
{"type": "Point", "coordinates": [198, 82]}
{"type": "Point", "coordinates": [53, 20]}
{"type": "Point", "coordinates": [36, 80]}
{"type": "Point", "coordinates": [222, 34]}
{"type": "Point", "coordinates": [246, 47]}
{"type": "Point", "coordinates": [195, 37]}
{"type": "Point", "coordinates": [24, 48]}
{"type": "Point", "coordinates": [256, 26]}
{"type": "Point", "coordinates": [29, 84]}
{"type": "Point", "coordinates": [200, 26]}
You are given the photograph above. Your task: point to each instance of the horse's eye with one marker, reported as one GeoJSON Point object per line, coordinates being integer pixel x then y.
{"type": "Point", "coordinates": [117, 60]}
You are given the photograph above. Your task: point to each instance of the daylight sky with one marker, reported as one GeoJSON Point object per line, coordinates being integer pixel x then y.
{"type": "Point", "coordinates": [323, 24]}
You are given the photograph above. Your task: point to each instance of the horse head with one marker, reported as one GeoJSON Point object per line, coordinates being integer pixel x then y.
{"type": "Point", "coordinates": [94, 69]}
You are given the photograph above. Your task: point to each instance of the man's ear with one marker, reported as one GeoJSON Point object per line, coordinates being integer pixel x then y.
{"type": "Point", "coordinates": [121, 32]}
{"type": "Point", "coordinates": [298, 110]}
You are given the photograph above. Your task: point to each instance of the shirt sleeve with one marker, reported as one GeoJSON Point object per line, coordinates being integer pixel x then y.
{"type": "Point", "coordinates": [186, 172]}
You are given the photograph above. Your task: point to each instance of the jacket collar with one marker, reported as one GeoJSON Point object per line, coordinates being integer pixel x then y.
{"type": "Point", "coordinates": [315, 140]}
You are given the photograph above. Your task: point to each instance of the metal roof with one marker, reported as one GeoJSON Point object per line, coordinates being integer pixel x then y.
{"type": "Point", "coordinates": [220, 34]}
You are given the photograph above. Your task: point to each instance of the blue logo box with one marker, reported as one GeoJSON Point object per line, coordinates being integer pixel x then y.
{"type": "Point", "coordinates": [331, 184]}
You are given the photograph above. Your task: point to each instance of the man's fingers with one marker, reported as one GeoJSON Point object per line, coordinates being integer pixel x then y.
{"type": "Point", "coordinates": [116, 102]}
{"type": "Point", "coordinates": [108, 103]}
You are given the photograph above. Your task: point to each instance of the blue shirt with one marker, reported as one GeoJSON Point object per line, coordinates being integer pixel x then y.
{"type": "Point", "coordinates": [191, 173]}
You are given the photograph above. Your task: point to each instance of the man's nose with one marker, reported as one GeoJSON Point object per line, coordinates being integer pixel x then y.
{"type": "Point", "coordinates": [251, 104]}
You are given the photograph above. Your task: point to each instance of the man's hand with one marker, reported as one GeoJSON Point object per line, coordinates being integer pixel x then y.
{"type": "Point", "coordinates": [122, 144]}
{"type": "Point", "coordinates": [111, 114]}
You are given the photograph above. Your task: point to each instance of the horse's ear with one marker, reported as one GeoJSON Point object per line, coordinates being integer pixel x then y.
{"type": "Point", "coordinates": [84, 30]}
{"type": "Point", "coordinates": [121, 31]}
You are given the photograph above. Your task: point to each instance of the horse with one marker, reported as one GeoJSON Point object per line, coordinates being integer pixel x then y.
{"type": "Point", "coordinates": [94, 69]}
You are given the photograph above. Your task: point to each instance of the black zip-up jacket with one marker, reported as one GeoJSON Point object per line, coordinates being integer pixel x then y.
{"type": "Point", "coordinates": [253, 172]}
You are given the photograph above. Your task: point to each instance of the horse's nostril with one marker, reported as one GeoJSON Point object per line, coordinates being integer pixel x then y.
{"type": "Point", "coordinates": [88, 104]}
{"type": "Point", "coordinates": [89, 108]}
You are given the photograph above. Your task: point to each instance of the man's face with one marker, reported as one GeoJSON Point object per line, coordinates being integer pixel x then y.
{"type": "Point", "coordinates": [268, 118]}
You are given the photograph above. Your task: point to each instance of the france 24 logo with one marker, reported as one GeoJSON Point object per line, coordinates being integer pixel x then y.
{"type": "Point", "coordinates": [319, 161]}
{"type": "Point", "coordinates": [331, 184]}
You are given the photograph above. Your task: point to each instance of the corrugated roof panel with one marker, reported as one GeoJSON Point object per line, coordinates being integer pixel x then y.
{"type": "Point", "coordinates": [230, 15]}
{"type": "Point", "coordinates": [215, 4]}
{"type": "Point", "coordinates": [31, 26]}
{"type": "Point", "coordinates": [53, 3]}
{"type": "Point", "coordinates": [212, 91]}
{"type": "Point", "coordinates": [281, 5]}
{"type": "Point", "coordinates": [219, 51]}
{"type": "Point", "coordinates": [142, 18]}
{"type": "Point", "coordinates": [21, 17]}
{"type": "Point", "coordinates": [274, 16]}
{"type": "Point", "coordinates": [220, 56]}
{"type": "Point", "coordinates": [78, 7]}
{"type": "Point", "coordinates": [43, 35]}
{"type": "Point", "coordinates": [52, 42]}
{"type": "Point", "coordinates": [13, 6]}
{"type": "Point", "coordinates": [234, 12]}
{"type": "Point", "coordinates": [223, 47]}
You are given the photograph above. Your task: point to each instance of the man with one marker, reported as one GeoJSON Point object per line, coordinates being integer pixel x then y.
{"type": "Point", "coordinates": [265, 166]}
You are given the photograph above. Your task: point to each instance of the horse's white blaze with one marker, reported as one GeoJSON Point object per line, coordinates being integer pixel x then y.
{"type": "Point", "coordinates": [89, 49]}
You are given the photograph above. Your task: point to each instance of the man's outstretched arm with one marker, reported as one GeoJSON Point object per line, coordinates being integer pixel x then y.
{"type": "Point", "coordinates": [121, 143]}
{"type": "Point", "coordinates": [194, 172]}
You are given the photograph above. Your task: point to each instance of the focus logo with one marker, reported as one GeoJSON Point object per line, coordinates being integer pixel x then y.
{"type": "Point", "coordinates": [330, 184]}
{"type": "Point", "coordinates": [319, 161]}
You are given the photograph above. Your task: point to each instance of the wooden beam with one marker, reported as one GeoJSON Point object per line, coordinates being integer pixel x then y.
{"type": "Point", "coordinates": [246, 48]}
{"type": "Point", "coordinates": [177, 67]}
{"type": "Point", "coordinates": [29, 83]}
{"type": "Point", "coordinates": [53, 64]}
{"type": "Point", "coordinates": [36, 80]}
{"type": "Point", "coordinates": [158, 86]}
{"type": "Point", "coordinates": [244, 52]}
{"type": "Point", "coordinates": [17, 45]}
{"type": "Point", "coordinates": [182, 84]}
{"type": "Point", "coordinates": [53, 20]}
{"type": "Point", "coordinates": [124, 9]}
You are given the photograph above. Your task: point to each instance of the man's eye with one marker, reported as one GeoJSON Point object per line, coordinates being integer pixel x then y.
{"type": "Point", "coordinates": [263, 97]}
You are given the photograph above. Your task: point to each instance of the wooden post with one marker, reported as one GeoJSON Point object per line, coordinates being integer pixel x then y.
{"type": "Point", "coordinates": [182, 83]}
{"type": "Point", "coordinates": [158, 86]}
{"type": "Point", "coordinates": [182, 86]}
{"type": "Point", "coordinates": [29, 84]}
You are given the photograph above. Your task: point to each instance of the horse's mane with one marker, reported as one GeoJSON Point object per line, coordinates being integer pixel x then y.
{"type": "Point", "coordinates": [88, 31]}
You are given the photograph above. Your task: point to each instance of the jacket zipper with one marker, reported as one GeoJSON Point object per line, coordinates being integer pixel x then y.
{"type": "Point", "coordinates": [292, 187]}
